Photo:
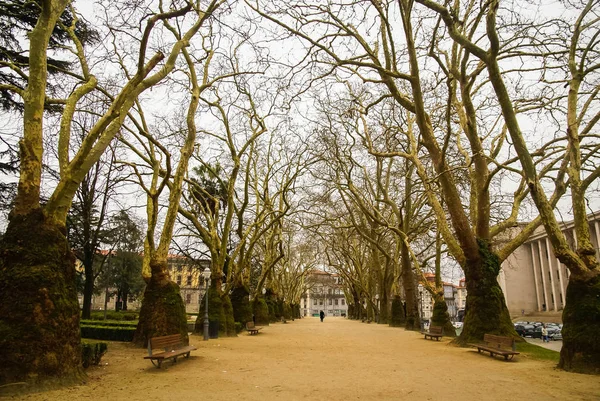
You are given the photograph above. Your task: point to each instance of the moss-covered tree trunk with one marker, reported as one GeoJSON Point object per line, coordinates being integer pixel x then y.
{"type": "Point", "coordinates": [581, 331]}
{"type": "Point", "coordinates": [397, 318]}
{"type": "Point", "coordinates": [441, 317]}
{"type": "Point", "coordinates": [215, 313]}
{"type": "Point", "coordinates": [261, 311]}
{"type": "Point", "coordinates": [242, 310]}
{"type": "Point", "coordinates": [39, 312]}
{"type": "Point", "coordinates": [384, 310]}
{"type": "Point", "coordinates": [227, 321]}
{"type": "Point", "coordinates": [163, 310]}
{"type": "Point", "coordinates": [485, 310]}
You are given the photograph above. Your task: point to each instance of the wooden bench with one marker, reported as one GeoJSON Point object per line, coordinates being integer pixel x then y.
{"type": "Point", "coordinates": [170, 347]}
{"type": "Point", "coordinates": [434, 332]}
{"type": "Point", "coordinates": [498, 345]}
{"type": "Point", "coordinates": [252, 329]}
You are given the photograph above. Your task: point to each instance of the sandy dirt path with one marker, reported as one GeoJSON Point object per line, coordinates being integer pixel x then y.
{"type": "Point", "coordinates": [334, 360]}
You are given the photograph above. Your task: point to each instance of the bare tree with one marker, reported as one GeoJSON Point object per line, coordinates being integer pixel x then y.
{"type": "Point", "coordinates": [41, 336]}
{"type": "Point", "coordinates": [575, 46]}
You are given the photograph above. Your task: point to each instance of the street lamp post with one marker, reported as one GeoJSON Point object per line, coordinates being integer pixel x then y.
{"type": "Point", "coordinates": [206, 277]}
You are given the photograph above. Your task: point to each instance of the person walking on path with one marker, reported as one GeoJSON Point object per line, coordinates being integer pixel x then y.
{"type": "Point", "coordinates": [545, 334]}
{"type": "Point", "coordinates": [322, 315]}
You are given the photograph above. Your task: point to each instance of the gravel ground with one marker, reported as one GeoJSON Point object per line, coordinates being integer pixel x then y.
{"type": "Point", "coordinates": [338, 359]}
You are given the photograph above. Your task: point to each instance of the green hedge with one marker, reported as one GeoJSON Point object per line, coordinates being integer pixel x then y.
{"type": "Point", "coordinates": [113, 315]}
{"type": "Point", "coordinates": [109, 323]}
{"type": "Point", "coordinates": [92, 352]}
{"type": "Point", "coordinates": [109, 333]}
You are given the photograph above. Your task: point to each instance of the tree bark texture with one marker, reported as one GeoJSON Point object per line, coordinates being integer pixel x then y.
{"type": "Point", "coordinates": [441, 317]}
{"type": "Point", "coordinates": [261, 311]}
{"type": "Point", "coordinates": [398, 318]}
{"type": "Point", "coordinates": [39, 312]}
{"type": "Point", "coordinates": [581, 331]}
{"type": "Point", "coordinates": [163, 311]}
{"type": "Point", "coordinates": [413, 320]}
{"type": "Point", "coordinates": [486, 310]}
{"type": "Point", "coordinates": [242, 310]}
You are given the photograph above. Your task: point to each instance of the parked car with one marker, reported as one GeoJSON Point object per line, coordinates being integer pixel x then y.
{"type": "Point", "coordinates": [525, 330]}
{"type": "Point", "coordinates": [557, 335]}
{"type": "Point", "coordinates": [537, 333]}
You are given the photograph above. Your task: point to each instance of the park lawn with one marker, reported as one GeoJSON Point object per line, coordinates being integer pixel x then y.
{"type": "Point", "coordinates": [538, 353]}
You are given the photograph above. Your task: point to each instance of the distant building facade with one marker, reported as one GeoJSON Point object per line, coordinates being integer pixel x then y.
{"type": "Point", "coordinates": [187, 277]}
{"type": "Point", "coordinates": [454, 296]}
{"type": "Point", "coordinates": [323, 292]}
{"type": "Point", "coordinates": [533, 279]}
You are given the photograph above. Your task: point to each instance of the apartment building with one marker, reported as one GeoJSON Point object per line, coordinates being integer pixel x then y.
{"type": "Point", "coordinates": [186, 275]}
{"type": "Point", "coordinates": [323, 292]}
{"type": "Point", "coordinates": [451, 296]}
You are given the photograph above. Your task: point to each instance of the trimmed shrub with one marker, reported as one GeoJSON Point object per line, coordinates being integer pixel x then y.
{"type": "Point", "coordinates": [398, 318]}
{"type": "Point", "coordinates": [239, 327]}
{"type": "Point", "coordinates": [92, 352]}
{"type": "Point", "coordinates": [113, 315]}
{"type": "Point", "coordinates": [109, 323]}
{"type": "Point", "coordinates": [109, 333]}
{"type": "Point", "coordinates": [261, 311]}
{"type": "Point", "coordinates": [240, 300]}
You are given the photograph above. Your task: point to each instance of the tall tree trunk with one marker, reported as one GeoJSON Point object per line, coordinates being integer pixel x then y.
{"type": "Point", "coordinates": [440, 308]}
{"type": "Point", "coordinates": [486, 310]}
{"type": "Point", "coordinates": [413, 321]}
{"type": "Point", "coordinates": [88, 286]}
{"type": "Point", "coordinates": [125, 295]}
{"type": "Point", "coordinates": [40, 338]}
{"type": "Point", "coordinates": [581, 318]}
{"type": "Point", "coordinates": [88, 291]}
{"type": "Point", "coordinates": [163, 310]}
{"type": "Point", "coordinates": [242, 310]}
{"type": "Point", "coordinates": [440, 315]}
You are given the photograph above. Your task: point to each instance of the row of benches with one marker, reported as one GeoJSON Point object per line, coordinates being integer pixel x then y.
{"type": "Point", "coordinates": [172, 346]}
{"type": "Point", "coordinates": [495, 345]}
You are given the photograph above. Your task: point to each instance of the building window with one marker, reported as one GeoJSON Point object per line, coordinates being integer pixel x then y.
{"type": "Point", "coordinates": [330, 301]}
{"type": "Point", "coordinates": [189, 281]}
{"type": "Point", "coordinates": [188, 298]}
{"type": "Point", "coordinates": [336, 301]}
{"type": "Point", "coordinates": [314, 301]}
{"type": "Point", "coordinates": [320, 302]}
{"type": "Point", "coordinates": [179, 268]}
{"type": "Point", "coordinates": [329, 291]}
{"type": "Point", "coordinates": [343, 301]}
{"type": "Point", "coordinates": [179, 280]}
{"type": "Point", "coordinates": [189, 269]}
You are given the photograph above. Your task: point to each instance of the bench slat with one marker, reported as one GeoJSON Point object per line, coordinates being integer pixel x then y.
{"type": "Point", "coordinates": [434, 332]}
{"type": "Point", "coordinates": [170, 347]}
{"type": "Point", "coordinates": [498, 345]}
{"type": "Point", "coordinates": [171, 354]}
{"type": "Point", "coordinates": [166, 341]}
{"type": "Point", "coordinates": [252, 329]}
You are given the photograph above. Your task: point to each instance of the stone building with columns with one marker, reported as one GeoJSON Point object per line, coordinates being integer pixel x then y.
{"type": "Point", "coordinates": [533, 279]}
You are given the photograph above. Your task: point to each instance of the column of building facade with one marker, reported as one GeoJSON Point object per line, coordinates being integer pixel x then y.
{"type": "Point", "coordinates": [552, 282]}
{"type": "Point", "coordinates": [535, 277]}
{"type": "Point", "coordinates": [563, 292]}
{"type": "Point", "coordinates": [544, 286]}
